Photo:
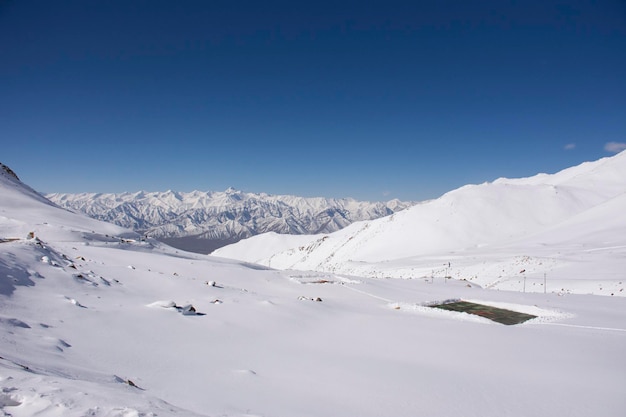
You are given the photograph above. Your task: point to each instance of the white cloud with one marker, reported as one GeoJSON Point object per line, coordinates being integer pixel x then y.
{"type": "Point", "coordinates": [570, 146]}
{"type": "Point", "coordinates": [615, 147]}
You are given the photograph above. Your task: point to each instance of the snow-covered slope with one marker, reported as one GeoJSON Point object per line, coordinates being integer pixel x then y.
{"type": "Point", "coordinates": [547, 216]}
{"type": "Point", "coordinates": [37, 213]}
{"type": "Point", "coordinates": [94, 322]}
{"type": "Point", "coordinates": [203, 220]}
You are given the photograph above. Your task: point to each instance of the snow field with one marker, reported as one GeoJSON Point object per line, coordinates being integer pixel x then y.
{"type": "Point", "coordinates": [87, 325]}
{"type": "Point", "coordinates": [265, 352]}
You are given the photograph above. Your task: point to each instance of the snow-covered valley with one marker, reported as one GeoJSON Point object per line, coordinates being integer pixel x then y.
{"type": "Point", "coordinates": [96, 321]}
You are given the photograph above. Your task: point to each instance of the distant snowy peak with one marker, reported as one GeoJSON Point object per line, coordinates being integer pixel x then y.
{"type": "Point", "coordinates": [224, 216]}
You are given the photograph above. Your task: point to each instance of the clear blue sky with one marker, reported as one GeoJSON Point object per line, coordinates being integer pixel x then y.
{"type": "Point", "coordinates": [367, 99]}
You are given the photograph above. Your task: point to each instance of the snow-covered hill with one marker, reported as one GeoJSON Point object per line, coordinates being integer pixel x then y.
{"type": "Point", "coordinates": [568, 226]}
{"type": "Point", "coordinates": [203, 221]}
{"type": "Point", "coordinates": [95, 321]}
{"type": "Point", "coordinates": [25, 211]}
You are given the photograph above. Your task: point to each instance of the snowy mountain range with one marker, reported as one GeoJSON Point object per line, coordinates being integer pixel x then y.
{"type": "Point", "coordinates": [96, 320]}
{"type": "Point", "coordinates": [547, 225]}
{"type": "Point", "coordinates": [203, 221]}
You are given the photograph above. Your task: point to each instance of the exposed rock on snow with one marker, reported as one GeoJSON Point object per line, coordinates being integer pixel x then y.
{"type": "Point", "coordinates": [8, 171]}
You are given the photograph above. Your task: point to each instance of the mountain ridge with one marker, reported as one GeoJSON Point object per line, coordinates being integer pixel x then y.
{"type": "Point", "coordinates": [507, 216]}
{"type": "Point", "coordinates": [202, 221]}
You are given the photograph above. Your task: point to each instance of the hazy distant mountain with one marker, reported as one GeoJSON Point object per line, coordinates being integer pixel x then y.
{"type": "Point", "coordinates": [203, 221]}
